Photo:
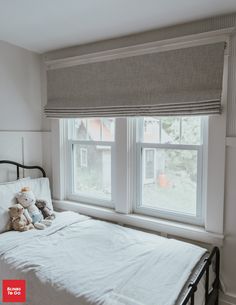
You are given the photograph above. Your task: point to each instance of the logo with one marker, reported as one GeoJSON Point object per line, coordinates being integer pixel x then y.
{"type": "Point", "coordinates": [13, 291]}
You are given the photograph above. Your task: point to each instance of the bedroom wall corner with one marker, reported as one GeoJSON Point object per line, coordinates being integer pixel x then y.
{"type": "Point", "coordinates": [46, 125]}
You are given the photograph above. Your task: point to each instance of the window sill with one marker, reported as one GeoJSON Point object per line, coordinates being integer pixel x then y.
{"type": "Point", "coordinates": [164, 227]}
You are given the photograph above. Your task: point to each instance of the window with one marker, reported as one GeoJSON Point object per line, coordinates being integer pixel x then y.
{"type": "Point", "coordinates": [170, 162]}
{"type": "Point", "coordinates": [150, 165]}
{"type": "Point", "coordinates": [91, 145]}
{"type": "Point", "coordinates": [169, 168]}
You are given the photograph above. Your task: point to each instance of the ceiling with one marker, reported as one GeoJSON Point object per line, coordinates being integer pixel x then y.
{"type": "Point", "coordinates": [44, 25]}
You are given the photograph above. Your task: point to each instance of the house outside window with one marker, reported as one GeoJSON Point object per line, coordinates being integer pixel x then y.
{"type": "Point", "coordinates": [149, 165]}
{"type": "Point", "coordinates": [83, 157]}
{"type": "Point", "coordinates": [91, 151]}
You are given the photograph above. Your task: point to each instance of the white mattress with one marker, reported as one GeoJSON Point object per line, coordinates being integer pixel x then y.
{"type": "Point", "coordinates": [81, 261]}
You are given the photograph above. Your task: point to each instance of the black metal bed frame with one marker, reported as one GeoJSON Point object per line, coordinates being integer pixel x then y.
{"type": "Point", "coordinates": [211, 295]}
{"type": "Point", "coordinates": [18, 166]}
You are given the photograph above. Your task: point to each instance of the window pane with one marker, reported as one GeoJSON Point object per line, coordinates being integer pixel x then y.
{"type": "Point", "coordinates": [170, 179]}
{"type": "Point", "coordinates": [171, 130]}
{"type": "Point", "coordinates": [191, 130]}
{"type": "Point", "coordinates": [92, 170]}
{"type": "Point", "coordinates": [151, 130]}
{"type": "Point", "coordinates": [94, 129]}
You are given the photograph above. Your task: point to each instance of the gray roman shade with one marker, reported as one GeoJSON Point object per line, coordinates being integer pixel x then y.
{"type": "Point", "coordinates": [185, 81]}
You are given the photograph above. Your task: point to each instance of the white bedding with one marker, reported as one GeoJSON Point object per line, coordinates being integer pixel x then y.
{"type": "Point", "coordinates": [81, 261]}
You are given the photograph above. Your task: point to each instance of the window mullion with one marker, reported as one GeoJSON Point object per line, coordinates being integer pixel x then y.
{"type": "Point", "coordinates": [121, 160]}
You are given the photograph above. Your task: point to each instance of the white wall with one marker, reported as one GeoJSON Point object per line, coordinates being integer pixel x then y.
{"type": "Point", "coordinates": [229, 246]}
{"type": "Point", "coordinates": [20, 89]}
{"type": "Point", "coordinates": [21, 102]}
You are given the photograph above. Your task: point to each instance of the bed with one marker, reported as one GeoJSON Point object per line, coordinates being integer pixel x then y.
{"type": "Point", "coordinates": [83, 261]}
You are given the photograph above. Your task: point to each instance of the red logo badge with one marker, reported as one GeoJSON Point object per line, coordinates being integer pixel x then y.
{"type": "Point", "coordinates": [13, 291]}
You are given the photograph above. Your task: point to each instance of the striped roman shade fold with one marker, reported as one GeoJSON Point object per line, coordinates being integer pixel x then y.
{"type": "Point", "coordinates": [185, 81]}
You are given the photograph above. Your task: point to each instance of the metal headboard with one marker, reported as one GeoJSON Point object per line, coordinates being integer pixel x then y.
{"type": "Point", "coordinates": [18, 166]}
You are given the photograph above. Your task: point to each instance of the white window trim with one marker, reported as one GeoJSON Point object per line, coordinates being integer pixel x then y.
{"type": "Point", "coordinates": [123, 184]}
{"type": "Point", "coordinates": [140, 49]}
{"type": "Point", "coordinates": [215, 185]}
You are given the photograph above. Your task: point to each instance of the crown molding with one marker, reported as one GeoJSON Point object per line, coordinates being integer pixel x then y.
{"type": "Point", "coordinates": [141, 49]}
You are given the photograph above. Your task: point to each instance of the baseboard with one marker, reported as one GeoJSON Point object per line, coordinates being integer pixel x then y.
{"type": "Point", "coordinates": [227, 299]}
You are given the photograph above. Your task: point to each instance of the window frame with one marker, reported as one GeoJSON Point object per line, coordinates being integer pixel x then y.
{"type": "Point", "coordinates": [201, 149]}
{"type": "Point", "coordinates": [69, 161]}
{"type": "Point", "coordinates": [126, 156]}
{"type": "Point", "coordinates": [168, 214]}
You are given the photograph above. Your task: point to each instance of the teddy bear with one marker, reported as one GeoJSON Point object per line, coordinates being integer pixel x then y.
{"type": "Point", "coordinates": [18, 221]}
{"type": "Point", "coordinates": [27, 199]}
{"type": "Point", "coordinates": [42, 206]}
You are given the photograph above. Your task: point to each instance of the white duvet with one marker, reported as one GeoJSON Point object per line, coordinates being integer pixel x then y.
{"type": "Point", "coordinates": [81, 261]}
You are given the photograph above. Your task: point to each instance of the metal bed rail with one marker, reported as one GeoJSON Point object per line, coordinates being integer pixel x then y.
{"type": "Point", "coordinates": [18, 166]}
{"type": "Point", "coordinates": [212, 297]}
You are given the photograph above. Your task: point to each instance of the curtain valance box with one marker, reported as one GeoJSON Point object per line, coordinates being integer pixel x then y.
{"type": "Point", "coordinates": [185, 81]}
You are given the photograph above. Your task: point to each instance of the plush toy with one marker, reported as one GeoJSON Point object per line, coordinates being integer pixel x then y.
{"type": "Point", "coordinates": [42, 206]}
{"type": "Point", "coordinates": [18, 221]}
{"type": "Point", "coordinates": [27, 199]}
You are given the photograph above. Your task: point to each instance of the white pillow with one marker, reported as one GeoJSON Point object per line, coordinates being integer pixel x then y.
{"type": "Point", "coordinates": [41, 189]}
{"type": "Point", "coordinates": [10, 182]}
{"type": "Point", "coordinates": [8, 191]}
{"type": "Point", "coordinates": [7, 198]}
